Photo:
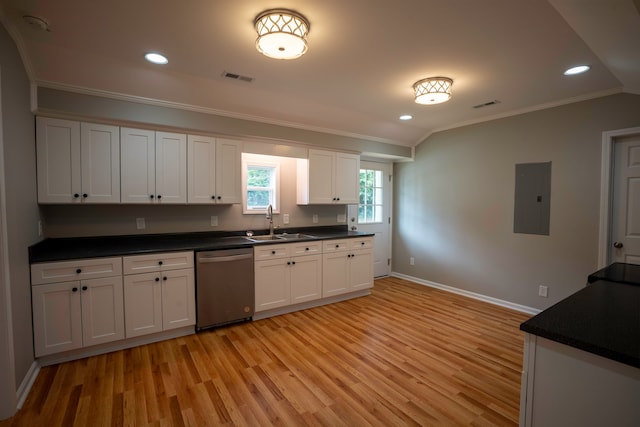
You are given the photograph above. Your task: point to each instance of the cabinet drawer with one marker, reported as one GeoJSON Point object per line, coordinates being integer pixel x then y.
{"type": "Point", "coordinates": [306, 248]}
{"type": "Point", "coordinates": [336, 245]}
{"type": "Point", "coordinates": [64, 271]}
{"type": "Point", "coordinates": [361, 243]}
{"type": "Point", "coordinates": [157, 262]}
{"type": "Point", "coordinates": [271, 251]}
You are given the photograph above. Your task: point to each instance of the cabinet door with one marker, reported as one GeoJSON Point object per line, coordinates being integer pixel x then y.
{"type": "Point", "coordinates": [321, 177]}
{"type": "Point", "coordinates": [178, 299]}
{"type": "Point", "coordinates": [272, 283]}
{"type": "Point", "coordinates": [142, 304]}
{"type": "Point", "coordinates": [201, 162]}
{"type": "Point", "coordinates": [57, 317]}
{"type": "Point", "coordinates": [137, 165]}
{"type": "Point", "coordinates": [171, 168]}
{"type": "Point", "coordinates": [58, 160]}
{"type": "Point", "coordinates": [228, 171]}
{"type": "Point", "coordinates": [347, 177]}
{"type": "Point", "coordinates": [306, 278]}
{"type": "Point", "coordinates": [361, 270]}
{"type": "Point", "coordinates": [335, 274]}
{"type": "Point", "coordinates": [102, 310]}
{"type": "Point", "coordinates": [100, 164]}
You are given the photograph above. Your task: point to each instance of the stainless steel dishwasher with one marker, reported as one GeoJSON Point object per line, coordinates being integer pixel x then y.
{"type": "Point", "coordinates": [224, 287]}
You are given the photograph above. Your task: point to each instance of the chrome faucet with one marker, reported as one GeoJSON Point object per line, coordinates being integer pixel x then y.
{"type": "Point", "coordinates": [270, 217]}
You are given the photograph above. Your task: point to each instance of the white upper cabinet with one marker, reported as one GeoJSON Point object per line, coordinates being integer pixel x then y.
{"type": "Point", "coordinates": [213, 170]}
{"type": "Point", "coordinates": [77, 162]}
{"type": "Point", "coordinates": [153, 166]}
{"type": "Point", "coordinates": [328, 177]}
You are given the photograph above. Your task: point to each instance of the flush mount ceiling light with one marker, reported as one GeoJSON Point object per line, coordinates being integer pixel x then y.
{"type": "Point", "coordinates": [282, 33]}
{"type": "Point", "coordinates": [433, 90]}
{"type": "Point", "coordinates": [156, 58]}
{"type": "Point", "coordinates": [577, 70]}
{"type": "Point", "coordinates": [406, 117]}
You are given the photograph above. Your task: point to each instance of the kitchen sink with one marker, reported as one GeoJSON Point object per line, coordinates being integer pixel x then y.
{"type": "Point", "coordinates": [283, 236]}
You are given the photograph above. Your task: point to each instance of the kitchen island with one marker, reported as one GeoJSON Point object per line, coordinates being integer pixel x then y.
{"type": "Point", "coordinates": [582, 356]}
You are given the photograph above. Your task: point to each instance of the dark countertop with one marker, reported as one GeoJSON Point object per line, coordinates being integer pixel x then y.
{"type": "Point", "coordinates": [60, 249]}
{"type": "Point", "coordinates": [617, 272]}
{"type": "Point", "coordinates": [603, 318]}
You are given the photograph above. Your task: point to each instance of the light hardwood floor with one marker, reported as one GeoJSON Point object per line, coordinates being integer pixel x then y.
{"type": "Point", "coordinates": [406, 355]}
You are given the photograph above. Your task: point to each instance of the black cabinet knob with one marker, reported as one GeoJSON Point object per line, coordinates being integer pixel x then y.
{"type": "Point", "coordinates": [293, 262]}
{"type": "Point", "coordinates": [84, 288]}
{"type": "Point", "coordinates": [74, 289]}
{"type": "Point", "coordinates": [306, 249]}
{"type": "Point", "coordinates": [288, 262]}
{"type": "Point", "coordinates": [273, 252]}
{"type": "Point", "coordinates": [151, 196]}
{"type": "Point", "coordinates": [160, 263]}
{"type": "Point", "coordinates": [85, 195]}
{"type": "Point", "coordinates": [219, 197]}
{"type": "Point", "coordinates": [362, 243]}
{"type": "Point", "coordinates": [164, 278]}
{"type": "Point", "coordinates": [159, 196]}
{"type": "Point", "coordinates": [337, 198]}
{"type": "Point", "coordinates": [213, 197]}
{"type": "Point", "coordinates": [79, 270]}
{"type": "Point", "coordinates": [76, 195]}
{"type": "Point", "coordinates": [157, 279]}
{"type": "Point", "coordinates": [337, 246]}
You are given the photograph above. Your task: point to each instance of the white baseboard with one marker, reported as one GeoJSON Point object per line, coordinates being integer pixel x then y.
{"type": "Point", "coordinates": [474, 295]}
{"type": "Point", "coordinates": [27, 383]}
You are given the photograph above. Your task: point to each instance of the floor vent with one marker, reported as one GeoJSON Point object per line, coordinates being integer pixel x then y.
{"type": "Point", "coordinates": [235, 76]}
{"type": "Point", "coordinates": [486, 104]}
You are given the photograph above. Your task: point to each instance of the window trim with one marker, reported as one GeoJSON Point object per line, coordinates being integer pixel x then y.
{"type": "Point", "coordinates": [260, 161]}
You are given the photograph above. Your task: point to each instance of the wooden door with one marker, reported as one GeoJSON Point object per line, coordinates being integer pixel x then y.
{"type": "Point", "coordinates": [228, 171]}
{"type": "Point", "coordinates": [58, 160]}
{"type": "Point", "coordinates": [142, 304]}
{"type": "Point", "coordinates": [625, 229]}
{"type": "Point", "coordinates": [201, 163]}
{"type": "Point", "coordinates": [100, 165]}
{"type": "Point", "coordinates": [137, 165]}
{"type": "Point", "coordinates": [57, 317]}
{"type": "Point", "coordinates": [171, 167]}
{"type": "Point", "coordinates": [178, 298]}
{"type": "Point", "coordinates": [102, 310]}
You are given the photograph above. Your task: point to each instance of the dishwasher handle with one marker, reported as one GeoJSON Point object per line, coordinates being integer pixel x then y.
{"type": "Point", "coordinates": [206, 259]}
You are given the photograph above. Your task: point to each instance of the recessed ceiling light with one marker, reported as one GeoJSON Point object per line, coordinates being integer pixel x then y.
{"type": "Point", "coordinates": [406, 117]}
{"type": "Point", "coordinates": [577, 70]}
{"type": "Point", "coordinates": [156, 58]}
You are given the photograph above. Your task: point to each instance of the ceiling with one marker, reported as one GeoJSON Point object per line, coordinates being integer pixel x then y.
{"type": "Point", "coordinates": [364, 56]}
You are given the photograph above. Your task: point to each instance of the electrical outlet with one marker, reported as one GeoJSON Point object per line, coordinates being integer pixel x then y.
{"type": "Point", "coordinates": [412, 261]}
{"type": "Point", "coordinates": [315, 218]}
{"type": "Point", "coordinates": [543, 291]}
{"type": "Point", "coordinates": [342, 217]}
{"type": "Point", "coordinates": [214, 221]}
{"type": "Point", "coordinates": [39, 228]}
{"type": "Point", "coordinates": [140, 225]}
{"type": "Point", "coordinates": [285, 218]}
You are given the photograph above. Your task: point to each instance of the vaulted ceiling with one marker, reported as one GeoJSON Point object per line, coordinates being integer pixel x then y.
{"type": "Point", "coordinates": [364, 56]}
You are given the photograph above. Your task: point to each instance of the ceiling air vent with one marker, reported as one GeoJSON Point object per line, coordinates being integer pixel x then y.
{"type": "Point", "coordinates": [486, 104]}
{"type": "Point", "coordinates": [235, 76]}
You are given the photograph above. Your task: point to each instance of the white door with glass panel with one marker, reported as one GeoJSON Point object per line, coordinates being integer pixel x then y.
{"type": "Point", "coordinates": [373, 212]}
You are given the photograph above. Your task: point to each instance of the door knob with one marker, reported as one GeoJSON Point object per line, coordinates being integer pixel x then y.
{"type": "Point", "coordinates": [618, 245]}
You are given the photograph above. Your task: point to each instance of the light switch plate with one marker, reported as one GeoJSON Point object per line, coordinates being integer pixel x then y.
{"type": "Point", "coordinates": [214, 221]}
{"type": "Point", "coordinates": [315, 218]}
{"type": "Point", "coordinates": [342, 218]}
{"type": "Point", "coordinates": [285, 218]}
{"type": "Point", "coordinates": [140, 225]}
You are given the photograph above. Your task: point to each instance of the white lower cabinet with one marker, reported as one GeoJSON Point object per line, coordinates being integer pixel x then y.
{"type": "Point", "coordinates": [76, 313]}
{"type": "Point", "coordinates": [347, 265]}
{"type": "Point", "coordinates": [282, 279]}
{"type": "Point", "coordinates": [161, 299]}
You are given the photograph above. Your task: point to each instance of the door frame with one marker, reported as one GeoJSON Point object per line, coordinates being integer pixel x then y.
{"type": "Point", "coordinates": [606, 190]}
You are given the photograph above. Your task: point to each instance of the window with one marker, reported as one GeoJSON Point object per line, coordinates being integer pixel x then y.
{"type": "Point", "coordinates": [261, 184]}
{"type": "Point", "coordinates": [370, 207]}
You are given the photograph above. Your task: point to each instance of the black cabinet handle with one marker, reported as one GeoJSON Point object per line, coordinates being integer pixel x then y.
{"type": "Point", "coordinates": [74, 289]}
{"type": "Point", "coordinates": [84, 288]}
{"type": "Point", "coordinates": [79, 270]}
{"type": "Point", "coordinates": [76, 195]}
{"type": "Point", "coordinates": [157, 279]}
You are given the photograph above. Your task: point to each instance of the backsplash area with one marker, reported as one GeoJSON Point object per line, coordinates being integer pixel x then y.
{"type": "Point", "coordinates": [113, 220]}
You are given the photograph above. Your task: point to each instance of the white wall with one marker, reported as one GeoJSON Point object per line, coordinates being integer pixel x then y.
{"type": "Point", "coordinates": [454, 203]}
{"type": "Point", "coordinates": [21, 210]}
